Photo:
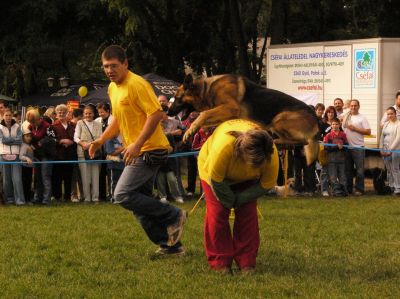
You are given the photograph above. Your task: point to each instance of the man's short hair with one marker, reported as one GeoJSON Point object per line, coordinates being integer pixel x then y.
{"type": "Point", "coordinates": [114, 52]}
{"type": "Point", "coordinates": [336, 120]}
{"type": "Point", "coordinates": [357, 101]}
{"type": "Point", "coordinates": [4, 102]}
{"type": "Point", "coordinates": [338, 99]}
{"type": "Point", "coordinates": [397, 94]}
{"type": "Point", "coordinates": [105, 106]}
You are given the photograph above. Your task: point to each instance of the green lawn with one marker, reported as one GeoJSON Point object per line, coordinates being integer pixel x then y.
{"type": "Point", "coordinates": [310, 248]}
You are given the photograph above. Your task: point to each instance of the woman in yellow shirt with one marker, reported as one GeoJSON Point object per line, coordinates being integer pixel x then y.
{"type": "Point", "coordinates": [237, 164]}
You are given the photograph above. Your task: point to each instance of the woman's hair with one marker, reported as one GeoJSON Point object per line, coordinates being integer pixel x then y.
{"type": "Point", "coordinates": [254, 146]}
{"type": "Point", "coordinates": [391, 108]}
{"type": "Point", "coordinates": [89, 107]}
{"type": "Point", "coordinates": [319, 105]}
{"type": "Point", "coordinates": [329, 109]}
{"type": "Point", "coordinates": [61, 107]}
{"type": "Point", "coordinates": [32, 113]}
{"type": "Point", "coordinates": [49, 112]}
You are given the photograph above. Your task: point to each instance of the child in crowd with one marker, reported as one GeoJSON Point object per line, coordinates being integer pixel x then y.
{"type": "Point", "coordinates": [336, 158]}
{"type": "Point", "coordinates": [26, 155]}
{"type": "Point", "coordinates": [113, 149]}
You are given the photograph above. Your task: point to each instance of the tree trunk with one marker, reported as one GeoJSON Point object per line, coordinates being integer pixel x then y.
{"type": "Point", "coordinates": [239, 40]}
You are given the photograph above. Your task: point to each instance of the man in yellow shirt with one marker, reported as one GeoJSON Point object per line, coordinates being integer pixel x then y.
{"type": "Point", "coordinates": [137, 115]}
{"type": "Point", "coordinates": [237, 164]}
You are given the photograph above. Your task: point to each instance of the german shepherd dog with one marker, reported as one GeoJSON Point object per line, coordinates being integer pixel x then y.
{"type": "Point", "coordinates": [223, 97]}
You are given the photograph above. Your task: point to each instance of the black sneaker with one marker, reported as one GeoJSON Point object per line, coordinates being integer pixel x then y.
{"type": "Point", "coordinates": [175, 230]}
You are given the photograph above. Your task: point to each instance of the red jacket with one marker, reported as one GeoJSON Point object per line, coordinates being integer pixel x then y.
{"type": "Point", "coordinates": [62, 152]}
{"type": "Point", "coordinates": [39, 132]}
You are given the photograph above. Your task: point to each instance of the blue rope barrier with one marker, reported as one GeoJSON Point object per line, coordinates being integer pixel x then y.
{"type": "Point", "coordinates": [363, 148]}
{"type": "Point", "coordinates": [175, 155]}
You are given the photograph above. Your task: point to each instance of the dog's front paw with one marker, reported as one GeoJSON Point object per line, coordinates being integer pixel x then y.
{"type": "Point", "coordinates": [191, 131]}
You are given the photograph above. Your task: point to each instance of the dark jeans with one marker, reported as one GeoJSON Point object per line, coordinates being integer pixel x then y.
{"type": "Point", "coordinates": [337, 172]}
{"type": "Point", "coordinates": [27, 173]}
{"type": "Point", "coordinates": [134, 193]}
{"type": "Point", "coordinates": [62, 173]}
{"type": "Point", "coordinates": [305, 180]}
{"type": "Point", "coordinates": [355, 158]}
{"type": "Point", "coordinates": [43, 183]}
{"type": "Point", "coordinates": [104, 181]}
{"type": "Point", "coordinates": [192, 173]}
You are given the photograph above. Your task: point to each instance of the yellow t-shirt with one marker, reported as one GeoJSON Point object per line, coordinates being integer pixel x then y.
{"type": "Point", "coordinates": [216, 161]}
{"type": "Point", "coordinates": [132, 102]}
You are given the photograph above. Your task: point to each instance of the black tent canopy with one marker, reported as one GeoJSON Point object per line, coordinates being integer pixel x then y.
{"type": "Point", "coordinates": [97, 93]}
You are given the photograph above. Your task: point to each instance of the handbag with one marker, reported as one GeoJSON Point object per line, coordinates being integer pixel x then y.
{"type": "Point", "coordinates": [98, 154]}
{"type": "Point", "coordinates": [9, 157]}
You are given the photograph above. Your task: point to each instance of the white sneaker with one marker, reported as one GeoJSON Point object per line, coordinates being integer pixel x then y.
{"type": "Point", "coordinates": [325, 193]}
{"type": "Point", "coordinates": [179, 200]}
{"type": "Point", "coordinates": [163, 200]}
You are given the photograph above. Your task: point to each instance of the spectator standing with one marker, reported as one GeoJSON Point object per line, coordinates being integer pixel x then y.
{"type": "Point", "coordinates": [43, 172]}
{"type": "Point", "coordinates": [76, 180]}
{"type": "Point", "coordinates": [86, 131]}
{"type": "Point", "coordinates": [396, 107]}
{"type": "Point", "coordinates": [191, 160]}
{"type": "Point", "coordinates": [137, 115]}
{"type": "Point", "coordinates": [336, 156]}
{"type": "Point", "coordinates": [166, 178]}
{"type": "Point", "coordinates": [113, 149]}
{"type": "Point", "coordinates": [11, 139]}
{"type": "Point", "coordinates": [105, 118]}
{"type": "Point", "coordinates": [237, 164]}
{"type": "Point", "coordinates": [65, 151]}
{"type": "Point", "coordinates": [338, 104]}
{"type": "Point", "coordinates": [26, 155]}
{"type": "Point", "coordinates": [355, 126]}
{"type": "Point", "coordinates": [390, 140]}
{"type": "Point", "coordinates": [325, 128]}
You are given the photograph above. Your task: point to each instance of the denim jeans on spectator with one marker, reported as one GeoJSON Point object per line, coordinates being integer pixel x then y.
{"type": "Point", "coordinates": [43, 183]}
{"type": "Point", "coordinates": [166, 181]}
{"type": "Point", "coordinates": [12, 184]}
{"type": "Point", "coordinates": [392, 164]}
{"type": "Point", "coordinates": [324, 178]}
{"type": "Point", "coordinates": [134, 193]}
{"type": "Point", "coordinates": [355, 157]}
{"type": "Point", "coordinates": [115, 175]}
{"type": "Point", "coordinates": [337, 172]}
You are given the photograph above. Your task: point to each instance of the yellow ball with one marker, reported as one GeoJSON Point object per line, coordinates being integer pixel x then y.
{"type": "Point", "coordinates": [82, 91]}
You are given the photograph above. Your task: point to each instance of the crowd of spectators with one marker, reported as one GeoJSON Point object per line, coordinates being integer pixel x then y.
{"type": "Point", "coordinates": [59, 134]}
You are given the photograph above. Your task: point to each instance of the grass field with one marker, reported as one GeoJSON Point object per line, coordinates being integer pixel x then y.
{"type": "Point", "coordinates": [310, 248]}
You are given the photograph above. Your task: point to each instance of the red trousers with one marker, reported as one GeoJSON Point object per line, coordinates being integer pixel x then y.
{"type": "Point", "coordinates": [221, 247]}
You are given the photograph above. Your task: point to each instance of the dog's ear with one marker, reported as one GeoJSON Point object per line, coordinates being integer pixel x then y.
{"type": "Point", "coordinates": [188, 82]}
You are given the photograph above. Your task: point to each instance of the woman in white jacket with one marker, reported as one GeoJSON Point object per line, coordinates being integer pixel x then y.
{"type": "Point", "coordinates": [11, 139]}
{"type": "Point", "coordinates": [390, 140]}
{"type": "Point", "coordinates": [86, 131]}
